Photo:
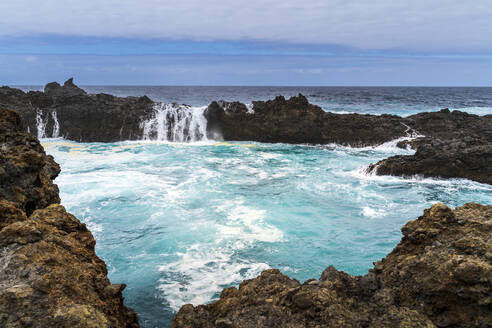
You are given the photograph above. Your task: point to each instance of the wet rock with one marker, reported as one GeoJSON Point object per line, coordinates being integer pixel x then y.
{"type": "Point", "coordinates": [297, 121]}
{"type": "Point", "coordinates": [81, 116]}
{"type": "Point", "coordinates": [428, 280]}
{"type": "Point", "coordinates": [469, 158]}
{"type": "Point", "coordinates": [50, 275]}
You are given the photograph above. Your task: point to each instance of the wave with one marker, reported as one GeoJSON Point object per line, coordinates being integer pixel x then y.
{"type": "Point", "coordinates": [176, 123]}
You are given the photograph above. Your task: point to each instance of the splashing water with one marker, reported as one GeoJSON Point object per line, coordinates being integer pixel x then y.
{"type": "Point", "coordinates": [178, 222]}
{"type": "Point", "coordinates": [176, 123]}
{"type": "Point", "coordinates": [56, 125]}
{"type": "Point", "coordinates": [40, 125]}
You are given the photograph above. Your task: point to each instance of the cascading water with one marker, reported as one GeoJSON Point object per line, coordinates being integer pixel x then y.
{"type": "Point", "coordinates": [177, 123]}
{"type": "Point", "coordinates": [56, 125]}
{"type": "Point", "coordinates": [41, 125]}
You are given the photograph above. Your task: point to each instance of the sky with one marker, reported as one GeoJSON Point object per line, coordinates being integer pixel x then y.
{"type": "Point", "coordinates": [254, 42]}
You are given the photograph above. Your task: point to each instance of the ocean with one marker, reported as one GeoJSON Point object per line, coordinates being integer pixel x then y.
{"type": "Point", "coordinates": [178, 222]}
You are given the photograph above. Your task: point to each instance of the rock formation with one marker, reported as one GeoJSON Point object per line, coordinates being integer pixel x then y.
{"type": "Point", "coordinates": [70, 112]}
{"type": "Point", "coordinates": [439, 275]}
{"type": "Point", "coordinates": [81, 116]}
{"type": "Point", "coordinates": [297, 121]}
{"type": "Point", "coordinates": [50, 275]}
{"type": "Point", "coordinates": [468, 157]}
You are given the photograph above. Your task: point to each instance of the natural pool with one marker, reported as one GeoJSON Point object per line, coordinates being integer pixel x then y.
{"type": "Point", "coordinates": [179, 222]}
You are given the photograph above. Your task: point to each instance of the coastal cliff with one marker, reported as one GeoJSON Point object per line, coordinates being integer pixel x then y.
{"type": "Point", "coordinates": [439, 275]}
{"type": "Point", "coordinates": [50, 275]}
{"type": "Point", "coordinates": [70, 112]}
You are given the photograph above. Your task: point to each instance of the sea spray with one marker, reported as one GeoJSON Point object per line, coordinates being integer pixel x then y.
{"type": "Point", "coordinates": [56, 125]}
{"type": "Point", "coordinates": [176, 123]}
{"type": "Point", "coordinates": [40, 125]}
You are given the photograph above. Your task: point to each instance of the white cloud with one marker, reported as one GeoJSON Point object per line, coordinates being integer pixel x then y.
{"type": "Point", "coordinates": [377, 24]}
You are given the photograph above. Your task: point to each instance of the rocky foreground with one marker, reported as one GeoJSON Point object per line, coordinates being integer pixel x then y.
{"type": "Point", "coordinates": [50, 275]}
{"type": "Point", "coordinates": [456, 144]}
{"type": "Point", "coordinates": [439, 275]}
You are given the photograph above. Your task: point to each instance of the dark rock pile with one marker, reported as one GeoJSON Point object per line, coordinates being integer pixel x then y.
{"type": "Point", "coordinates": [50, 275]}
{"type": "Point", "coordinates": [457, 144]}
{"type": "Point", "coordinates": [440, 274]}
{"type": "Point", "coordinates": [297, 121]}
{"type": "Point", "coordinates": [82, 117]}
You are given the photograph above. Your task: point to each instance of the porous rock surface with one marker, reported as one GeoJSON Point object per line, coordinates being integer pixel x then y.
{"type": "Point", "coordinates": [467, 157]}
{"type": "Point", "coordinates": [50, 275]}
{"type": "Point", "coordinates": [439, 275]}
{"type": "Point", "coordinates": [81, 116]}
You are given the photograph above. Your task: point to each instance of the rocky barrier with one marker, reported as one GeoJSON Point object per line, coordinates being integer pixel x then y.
{"type": "Point", "coordinates": [439, 275]}
{"type": "Point", "coordinates": [457, 144]}
{"type": "Point", "coordinates": [50, 275]}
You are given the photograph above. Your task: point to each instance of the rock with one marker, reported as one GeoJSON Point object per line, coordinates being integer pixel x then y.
{"type": "Point", "coordinates": [456, 144]}
{"type": "Point", "coordinates": [81, 116]}
{"type": "Point", "coordinates": [26, 172]}
{"type": "Point", "coordinates": [50, 275]}
{"type": "Point", "coordinates": [428, 280]}
{"type": "Point", "coordinates": [469, 158]}
{"type": "Point", "coordinates": [297, 121]}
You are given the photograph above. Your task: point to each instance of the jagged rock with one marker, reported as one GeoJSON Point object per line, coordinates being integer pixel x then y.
{"type": "Point", "coordinates": [26, 172]}
{"type": "Point", "coordinates": [105, 118]}
{"type": "Point", "coordinates": [438, 275]}
{"type": "Point", "coordinates": [81, 116]}
{"type": "Point", "coordinates": [50, 275]}
{"type": "Point", "coordinates": [468, 157]}
{"type": "Point", "coordinates": [297, 121]}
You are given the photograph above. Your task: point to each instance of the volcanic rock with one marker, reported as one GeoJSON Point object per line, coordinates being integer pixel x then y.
{"type": "Point", "coordinates": [50, 275]}
{"type": "Point", "coordinates": [439, 275]}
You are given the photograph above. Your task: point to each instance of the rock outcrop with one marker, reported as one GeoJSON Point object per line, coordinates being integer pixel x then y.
{"type": "Point", "coordinates": [468, 157]}
{"type": "Point", "coordinates": [297, 121]}
{"type": "Point", "coordinates": [80, 116]}
{"type": "Point", "coordinates": [439, 275]}
{"type": "Point", "coordinates": [70, 112]}
{"type": "Point", "coordinates": [50, 275]}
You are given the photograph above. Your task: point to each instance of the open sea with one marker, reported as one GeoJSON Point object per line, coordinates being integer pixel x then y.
{"type": "Point", "coordinates": [178, 222]}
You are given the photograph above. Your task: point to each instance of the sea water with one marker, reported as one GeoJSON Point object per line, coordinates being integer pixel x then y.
{"type": "Point", "coordinates": [178, 222]}
{"type": "Point", "coordinates": [178, 218]}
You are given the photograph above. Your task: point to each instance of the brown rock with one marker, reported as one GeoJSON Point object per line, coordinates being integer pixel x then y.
{"type": "Point", "coordinates": [428, 280]}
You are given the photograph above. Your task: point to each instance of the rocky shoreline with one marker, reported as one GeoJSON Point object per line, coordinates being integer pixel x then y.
{"type": "Point", "coordinates": [439, 275]}
{"type": "Point", "coordinates": [50, 275]}
{"type": "Point", "coordinates": [456, 144]}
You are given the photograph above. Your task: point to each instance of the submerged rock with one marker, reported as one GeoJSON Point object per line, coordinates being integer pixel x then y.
{"type": "Point", "coordinates": [440, 274]}
{"type": "Point", "coordinates": [50, 275]}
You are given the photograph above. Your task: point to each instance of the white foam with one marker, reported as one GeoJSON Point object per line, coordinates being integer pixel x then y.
{"type": "Point", "coordinates": [204, 269]}
{"type": "Point", "coordinates": [372, 212]}
{"type": "Point", "coordinates": [176, 123]}
{"type": "Point", "coordinates": [56, 125]}
{"type": "Point", "coordinates": [40, 125]}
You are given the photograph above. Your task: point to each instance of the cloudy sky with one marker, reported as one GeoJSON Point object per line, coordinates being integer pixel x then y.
{"type": "Point", "coordinates": [254, 42]}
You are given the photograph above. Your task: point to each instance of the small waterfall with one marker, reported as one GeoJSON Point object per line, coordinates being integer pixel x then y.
{"type": "Point", "coordinates": [176, 123]}
{"type": "Point", "coordinates": [56, 125]}
{"type": "Point", "coordinates": [40, 125]}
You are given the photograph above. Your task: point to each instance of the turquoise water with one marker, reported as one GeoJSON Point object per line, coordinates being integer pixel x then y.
{"type": "Point", "coordinates": [179, 222]}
